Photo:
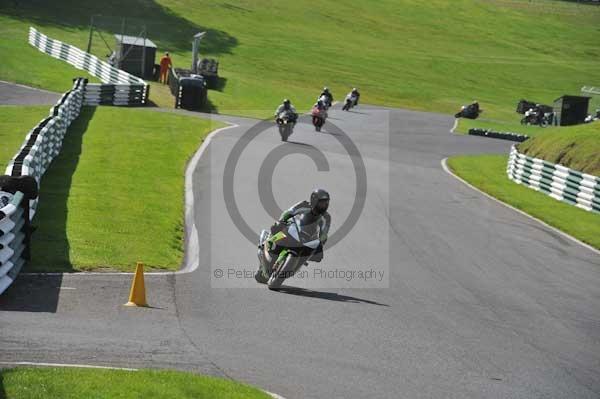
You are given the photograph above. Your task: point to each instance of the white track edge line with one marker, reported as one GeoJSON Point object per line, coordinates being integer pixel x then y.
{"type": "Point", "coordinates": [191, 242]}
{"type": "Point", "coordinates": [85, 366]}
{"type": "Point", "coordinates": [454, 126]}
{"type": "Point", "coordinates": [556, 230]}
{"type": "Point", "coordinates": [274, 395]}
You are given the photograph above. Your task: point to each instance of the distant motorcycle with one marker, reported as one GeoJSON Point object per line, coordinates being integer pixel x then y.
{"type": "Point", "coordinates": [298, 240]}
{"type": "Point", "coordinates": [532, 117]}
{"type": "Point", "coordinates": [350, 102]}
{"type": "Point", "coordinates": [286, 121]}
{"type": "Point", "coordinates": [469, 112]}
{"type": "Point", "coordinates": [318, 117]}
{"type": "Point", "coordinates": [326, 101]}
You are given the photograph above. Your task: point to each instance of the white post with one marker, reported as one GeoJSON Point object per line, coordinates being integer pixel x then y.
{"type": "Point", "coordinates": [195, 48]}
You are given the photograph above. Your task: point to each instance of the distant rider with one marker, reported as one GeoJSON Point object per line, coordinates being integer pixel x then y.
{"type": "Point", "coordinates": [321, 107]}
{"type": "Point", "coordinates": [354, 93]}
{"type": "Point", "coordinates": [474, 107]}
{"type": "Point", "coordinates": [329, 96]}
{"type": "Point", "coordinates": [539, 114]}
{"type": "Point", "coordinates": [316, 208]}
{"type": "Point", "coordinates": [287, 106]}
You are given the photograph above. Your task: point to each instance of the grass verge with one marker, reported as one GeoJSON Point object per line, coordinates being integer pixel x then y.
{"type": "Point", "coordinates": [576, 147]}
{"type": "Point", "coordinates": [78, 383]}
{"type": "Point", "coordinates": [114, 195]}
{"type": "Point", "coordinates": [15, 123]}
{"type": "Point", "coordinates": [488, 173]}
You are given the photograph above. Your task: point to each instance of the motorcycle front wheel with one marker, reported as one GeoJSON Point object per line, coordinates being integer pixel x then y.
{"type": "Point", "coordinates": [286, 270]}
{"type": "Point", "coordinates": [283, 132]}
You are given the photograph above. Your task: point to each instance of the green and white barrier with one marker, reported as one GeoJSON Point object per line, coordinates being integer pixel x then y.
{"type": "Point", "coordinates": [42, 144]}
{"type": "Point", "coordinates": [118, 88]}
{"type": "Point", "coordinates": [12, 239]}
{"type": "Point", "coordinates": [559, 182]}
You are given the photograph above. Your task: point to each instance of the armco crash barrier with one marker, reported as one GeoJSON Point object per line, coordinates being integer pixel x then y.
{"type": "Point", "coordinates": [559, 182]}
{"type": "Point", "coordinates": [118, 88]}
{"type": "Point", "coordinates": [42, 144]}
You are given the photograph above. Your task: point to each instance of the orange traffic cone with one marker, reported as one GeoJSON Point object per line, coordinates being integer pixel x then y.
{"type": "Point", "coordinates": [137, 295]}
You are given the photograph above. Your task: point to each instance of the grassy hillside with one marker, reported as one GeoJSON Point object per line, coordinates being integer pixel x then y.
{"type": "Point", "coordinates": [430, 55]}
{"type": "Point", "coordinates": [577, 147]}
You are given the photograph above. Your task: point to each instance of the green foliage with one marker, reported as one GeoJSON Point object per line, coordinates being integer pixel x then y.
{"type": "Point", "coordinates": [79, 383]}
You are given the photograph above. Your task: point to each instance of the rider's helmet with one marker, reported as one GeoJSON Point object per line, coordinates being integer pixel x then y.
{"type": "Point", "coordinates": [319, 201]}
{"type": "Point", "coordinates": [286, 103]}
{"type": "Point", "coordinates": [354, 90]}
{"type": "Point", "coordinates": [326, 89]}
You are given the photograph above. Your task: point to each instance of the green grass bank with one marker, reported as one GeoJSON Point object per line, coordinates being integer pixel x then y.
{"type": "Point", "coordinates": [114, 195]}
{"type": "Point", "coordinates": [488, 173]}
{"type": "Point", "coordinates": [78, 383]}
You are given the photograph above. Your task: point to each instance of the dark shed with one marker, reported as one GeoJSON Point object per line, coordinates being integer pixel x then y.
{"type": "Point", "coordinates": [135, 55]}
{"type": "Point", "coordinates": [571, 110]}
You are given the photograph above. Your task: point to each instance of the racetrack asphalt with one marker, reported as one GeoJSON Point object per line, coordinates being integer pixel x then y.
{"type": "Point", "coordinates": [14, 94]}
{"type": "Point", "coordinates": [477, 301]}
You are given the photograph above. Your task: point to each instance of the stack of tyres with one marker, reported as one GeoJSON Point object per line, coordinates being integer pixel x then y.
{"type": "Point", "coordinates": [192, 93]}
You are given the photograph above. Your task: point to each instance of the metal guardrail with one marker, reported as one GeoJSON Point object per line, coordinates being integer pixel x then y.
{"type": "Point", "coordinates": [42, 144]}
{"type": "Point", "coordinates": [118, 88]}
{"type": "Point", "coordinates": [557, 181]}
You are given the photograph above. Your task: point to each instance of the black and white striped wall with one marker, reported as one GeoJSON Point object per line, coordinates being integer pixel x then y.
{"type": "Point", "coordinates": [118, 87]}
{"type": "Point", "coordinates": [42, 144]}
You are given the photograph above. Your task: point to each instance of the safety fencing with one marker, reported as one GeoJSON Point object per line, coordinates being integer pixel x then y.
{"type": "Point", "coordinates": [118, 87]}
{"type": "Point", "coordinates": [12, 240]}
{"type": "Point", "coordinates": [42, 144]}
{"type": "Point", "coordinates": [557, 181]}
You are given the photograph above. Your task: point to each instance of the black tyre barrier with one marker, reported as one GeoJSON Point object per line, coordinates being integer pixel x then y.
{"type": "Point", "coordinates": [498, 135]}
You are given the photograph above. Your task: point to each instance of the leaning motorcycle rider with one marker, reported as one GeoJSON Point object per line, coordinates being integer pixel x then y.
{"type": "Point", "coordinates": [327, 94]}
{"type": "Point", "coordinates": [317, 209]}
{"type": "Point", "coordinates": [286, 106]}
{"type": "Point", "coordinates": [354, 93]}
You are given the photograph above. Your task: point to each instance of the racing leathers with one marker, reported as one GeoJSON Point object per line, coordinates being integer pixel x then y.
{"type": "Point", "coordinates": [323, 223]}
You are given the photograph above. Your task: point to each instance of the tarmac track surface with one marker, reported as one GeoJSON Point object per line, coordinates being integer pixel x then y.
{"type": "Point", "coordinates": [13, 94]}
{"type": "Point", "coordinates": [477, 300]}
